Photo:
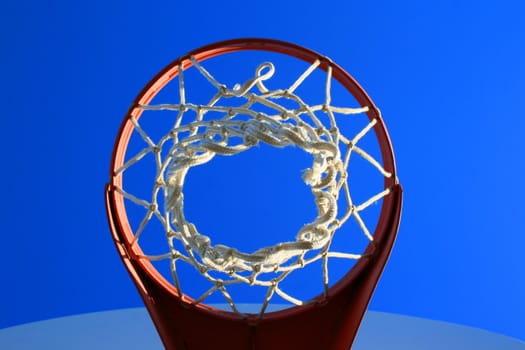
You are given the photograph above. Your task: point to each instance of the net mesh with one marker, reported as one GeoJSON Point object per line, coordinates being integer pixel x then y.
{"type": "Point", "coordinates": [235, 129]}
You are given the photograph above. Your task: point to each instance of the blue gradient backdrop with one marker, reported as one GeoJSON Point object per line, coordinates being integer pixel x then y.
{"type": "Point", "coordinates": [449, 77]}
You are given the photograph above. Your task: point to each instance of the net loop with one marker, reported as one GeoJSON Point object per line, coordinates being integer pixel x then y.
{"type": "Point", "coordinates": [238, 129]}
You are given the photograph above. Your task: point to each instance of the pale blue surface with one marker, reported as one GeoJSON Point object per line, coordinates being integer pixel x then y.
{"type": "Point", "coordinates": [132, 329]}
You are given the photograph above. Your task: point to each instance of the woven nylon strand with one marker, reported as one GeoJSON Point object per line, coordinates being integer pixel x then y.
{"type": "Point", "coordinates": [237, 130]}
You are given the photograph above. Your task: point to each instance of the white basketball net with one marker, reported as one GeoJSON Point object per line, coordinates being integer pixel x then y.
{"type": "Point", "coordinates": [239, 129]}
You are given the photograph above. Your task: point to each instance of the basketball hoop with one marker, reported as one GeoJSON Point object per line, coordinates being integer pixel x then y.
{"type": "Point", "coordinates": [232, 120]}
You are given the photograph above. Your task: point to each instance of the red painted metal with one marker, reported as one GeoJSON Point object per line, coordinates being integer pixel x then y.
{"type": "Point", "coordinates": [326, 323]}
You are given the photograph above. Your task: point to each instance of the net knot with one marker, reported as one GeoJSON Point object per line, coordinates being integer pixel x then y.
{"type": "Point", "coordinates": [219, 283]}
{"type": "Point", "coordinates": [249, 140]}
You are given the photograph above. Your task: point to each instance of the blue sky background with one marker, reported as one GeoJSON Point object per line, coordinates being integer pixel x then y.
{"type": "Point", "coordinates": [449, 77]}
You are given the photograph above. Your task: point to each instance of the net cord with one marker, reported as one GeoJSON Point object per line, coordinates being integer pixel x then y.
{"type": "Point", "coordinates": [199, 141]}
